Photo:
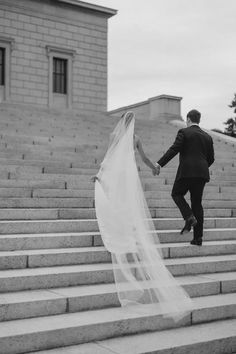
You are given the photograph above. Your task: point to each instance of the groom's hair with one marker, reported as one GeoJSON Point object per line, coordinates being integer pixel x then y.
{"type": "Point", "coordinates": [194, 116]}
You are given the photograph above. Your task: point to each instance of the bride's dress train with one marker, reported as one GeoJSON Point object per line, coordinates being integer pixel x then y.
{"type": "Point", "coordinates": [129, 234]}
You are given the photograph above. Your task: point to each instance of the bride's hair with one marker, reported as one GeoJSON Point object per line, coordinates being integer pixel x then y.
{"type": "Point", "coordinates": [127, 116]}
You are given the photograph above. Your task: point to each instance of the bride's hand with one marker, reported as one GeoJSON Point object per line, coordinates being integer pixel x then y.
{"type": "Point", "coordinates": [94, 178]}
{"type": "Point", "coordinates": [155, 171]}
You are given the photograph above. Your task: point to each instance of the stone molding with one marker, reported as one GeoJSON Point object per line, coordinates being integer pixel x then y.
{"type": "Point", "coordinates": [106, 10]}
{"type": "Point", "coordinates": [7, 41]}
{"type": "Point", "coordinates": [162, 108]}
{"type": "Point", "coordinates": [36, 11]}
{"type": "Point", "coordinates": [65, 52]}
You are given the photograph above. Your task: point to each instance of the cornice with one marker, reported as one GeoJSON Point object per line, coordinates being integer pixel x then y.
{"type": "Point", "coordinates": [36, 11]}
{"type": "Point", "coordinates": [52, 49]}
{"type": "Point", "coordinates": [177, 98]}
{"type": "Point", "coordinates": [9, 41]}
{"type": "Point", "coordinates": [106, 10]}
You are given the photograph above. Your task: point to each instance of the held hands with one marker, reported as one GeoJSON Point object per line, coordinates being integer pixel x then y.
{"type": "Point", "coordinates": [156, 170]}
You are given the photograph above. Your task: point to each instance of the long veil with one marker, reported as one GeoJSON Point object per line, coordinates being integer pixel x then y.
{"type": "Point", "coordinates": [128, 232]}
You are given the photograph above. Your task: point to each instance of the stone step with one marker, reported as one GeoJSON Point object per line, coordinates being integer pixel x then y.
{"type": "Point", "coordinates": [15, 192]}
{"type": "Point", "coordinates": [54, 169]}
{"type": "Point", "coordinates": [88, 239]}
{"type": "Point", "coordinates": [167, 203]}
{"type": "Point", "coordinates": [215, 175]}
{"type": "Point", "coordinates": [11, 155]}
{"type": "Point", "coordinates": [170, 236]}
{"type": "Point", "coordinates": [46, 183]}
{"type": "Point", "coordinates": [26, 335]}
{"type": "Point", "coordinates": [83, 193]}
{"type": "Point", "coordinates": [50, 144]}
{"type": "Point", "coordinates": [59, 159]}
{"type": "Point", "coordinates": [72, 213]}
{"type": "Point", "coordinates": [53, 257]}
{"type": "Point", "coordinates": [222, 174]}
{"type": "Point", "coordinates": [21, 169]}
{"type": "Point", "coordinates": [46, 203]}
{"type": "Point", "coordinates": [174, 212]}
{"type": "Point", "coordinates": [217, 337]}
{"type": "Point", "coordinates": [56, 183]}
{"type": "Point", "coordinates": [213, 182]}
{"type": "Point", "coordinates": [40, 163]}
{"type": "Point", "coordinates": [78, 213]}
{"type": "Point", "coordinates": [76, 179]}
{"type": "Point", "coordinates": [72, 176]}
{"type": "Point", "coordinates": [33, 303]}
{"type": "Point", "coordinates": [60, 156]}
{"type": "Point", "coordinates": [98, 254]}
{"type": "Point", "coordinates": [217, 188]}
{"type": "Point", "coordinates": [85, 173]}
{"type": "Point", "coordinates": [43, 192]}
{"type": "Point", "coordinates": [217, 167]}
{"type": "Point", "coordinates": [170, 181]}
{"type": "Point", "coordinates": [73, 171]}
{"type": "Point", "coordinates": [41, 226]}
{"type": "Point", "coordinates": [5, 175]}
{"type": "Point", "coordinates": [77, 145]}
{"type": "Point", "coordinates": [22, 183]}
{"type": "Point", "coordinates": [81, 200]}
{"type": "Point", "coordinates": [67, 193]}
{"type": "Point", "coordinates": [218, 170]}
{"type": "Point", "coordinates": [49, 163]}
{"type": "Point", "coordinates": [85, 274]}
{"type": "Point", "coordinates": [31, 214]}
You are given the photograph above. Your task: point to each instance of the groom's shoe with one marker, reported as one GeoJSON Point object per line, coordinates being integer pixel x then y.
{"type": "Point", "coordinates": [189, 223]}
{"type": "Point", "coordinates": [197, 242]}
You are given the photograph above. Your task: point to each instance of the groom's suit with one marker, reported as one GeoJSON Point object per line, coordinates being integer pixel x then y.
{"type": "Point", "coordinates": [196, 154]}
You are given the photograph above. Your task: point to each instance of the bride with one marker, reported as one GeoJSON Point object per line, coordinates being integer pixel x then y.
{"type": "Point", "coordinates": [127, 229]}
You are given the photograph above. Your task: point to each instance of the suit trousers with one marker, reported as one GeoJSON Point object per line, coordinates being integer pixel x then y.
{"type": "Point", "coordinates": [195, 187]}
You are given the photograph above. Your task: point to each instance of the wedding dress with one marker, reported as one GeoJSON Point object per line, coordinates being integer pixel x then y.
{"type": "Point", "coordinates": [128, 232]}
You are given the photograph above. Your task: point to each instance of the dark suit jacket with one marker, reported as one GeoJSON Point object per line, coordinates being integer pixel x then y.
{"type": "Point", "coordinates": [196, 153]}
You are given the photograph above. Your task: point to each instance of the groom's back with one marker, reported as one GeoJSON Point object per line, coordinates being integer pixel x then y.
{"type": "Point", "coordinates": [196, 141]}
{"type": "Point", "coordinates": [196, 154]}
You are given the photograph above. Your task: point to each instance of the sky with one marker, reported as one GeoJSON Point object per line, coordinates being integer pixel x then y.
{"type": "Point", "coordinates": [185, 48]}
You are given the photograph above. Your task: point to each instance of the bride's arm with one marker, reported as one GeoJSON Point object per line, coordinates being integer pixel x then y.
{"type": "Point", "coordinates": [143, 156]}
{"type": "Point", "coordinates": [97, 176]}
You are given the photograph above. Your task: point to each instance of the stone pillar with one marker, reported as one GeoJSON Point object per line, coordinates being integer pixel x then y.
{"type": "Point", "coordinates": [165, 108]}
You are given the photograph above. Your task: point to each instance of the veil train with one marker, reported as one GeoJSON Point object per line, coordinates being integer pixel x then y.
{"type": "Point", "coordinates": [128, 231]}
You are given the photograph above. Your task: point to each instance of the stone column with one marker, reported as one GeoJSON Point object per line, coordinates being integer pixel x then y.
{"type": "Point", "coordinates": [165, 108]}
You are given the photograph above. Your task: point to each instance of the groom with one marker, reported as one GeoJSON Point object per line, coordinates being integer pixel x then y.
{"type": "Point", "coordinates": [196, 154]}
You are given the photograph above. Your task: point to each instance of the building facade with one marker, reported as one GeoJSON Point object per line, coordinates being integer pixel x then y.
{"type": "Point", "coordinates": [54, 53]}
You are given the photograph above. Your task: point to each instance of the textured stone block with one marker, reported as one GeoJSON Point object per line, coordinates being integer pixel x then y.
{"type": "Point", "coordinates": [31, 304]}
{"type": "Point", "coordinates": [12, 262]}
{"type": "Point", "coordinates": [221, 306]}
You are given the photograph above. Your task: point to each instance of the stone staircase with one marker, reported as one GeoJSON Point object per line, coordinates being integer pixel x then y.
{"type": "Point", "coordinates": [56, 283]}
